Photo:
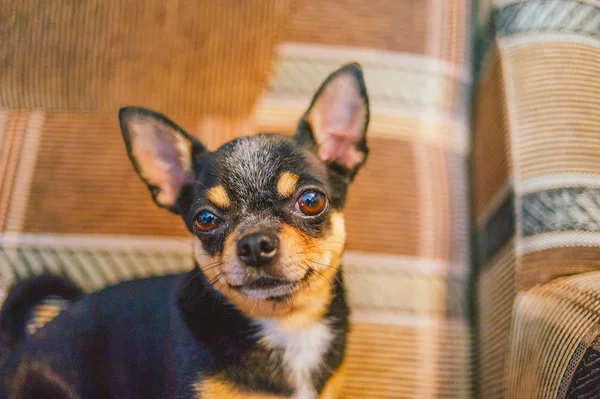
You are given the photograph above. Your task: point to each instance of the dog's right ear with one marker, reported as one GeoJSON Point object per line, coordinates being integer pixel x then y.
{"type": "Point", "coordinates": [162, 153]}
{"type": "Point", "coordinates": [335, 124]}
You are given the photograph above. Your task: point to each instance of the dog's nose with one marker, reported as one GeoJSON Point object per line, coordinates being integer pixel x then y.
{"type": "Point", "coordinates": [257, 249]}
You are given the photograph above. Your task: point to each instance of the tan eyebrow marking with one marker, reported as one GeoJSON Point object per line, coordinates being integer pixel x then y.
{"type": "Point", "coordinates": [287, 184]}
{"type": "Point", "coordinates": [218, 196]}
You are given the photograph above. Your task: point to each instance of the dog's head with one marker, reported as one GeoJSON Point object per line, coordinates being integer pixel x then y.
{"type": "Point", "coordinates": [265, 210]}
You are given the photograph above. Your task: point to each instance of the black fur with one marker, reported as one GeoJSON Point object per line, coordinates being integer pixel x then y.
{"type": "Point", "coordinates": [157, 337]}
{"type": "Point", "coordinates": [24, 296]}
{"type": "Point", "coordinates": [254, 196]}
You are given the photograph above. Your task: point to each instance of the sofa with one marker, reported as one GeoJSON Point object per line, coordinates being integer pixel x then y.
{"type": "Point", "coordinates": [473, 230]}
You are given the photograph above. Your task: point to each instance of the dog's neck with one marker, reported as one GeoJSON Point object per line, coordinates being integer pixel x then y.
{"type": "Point", "coordinates": [306, 351]}
{"type": "Point", "coordinates": [305, 357]}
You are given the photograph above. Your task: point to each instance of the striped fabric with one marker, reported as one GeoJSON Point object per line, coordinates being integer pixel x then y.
{"type": "Point", "coordinates": [556, 327]}
{"type": "Point", "coordinates": [183, 58]}
{"type": "Point", "coordinates": [71, 204]}
{"type": "Point", "coordinates": [537, 198]}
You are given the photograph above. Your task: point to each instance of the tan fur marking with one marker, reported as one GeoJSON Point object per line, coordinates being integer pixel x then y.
{"type": "Point", "coordinates": [286, 185]}
{"type": "Point", "coordinates": [217, 388]}
{"type": "Point", "coordinates": [218, 196]}
{"type": "Point", "coordinates": [335, 385]}
{"type": "Point", "coordinates": [309, 303]}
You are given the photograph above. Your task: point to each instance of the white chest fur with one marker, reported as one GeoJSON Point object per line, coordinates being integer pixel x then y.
{"type": "Point", "coordinates": [303, 352]}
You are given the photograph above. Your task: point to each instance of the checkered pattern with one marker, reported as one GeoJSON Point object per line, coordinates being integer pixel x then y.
{"type": "Point", "coordinates": [71, 204]}
{"type": "Point", "coordinates": [536, 178]}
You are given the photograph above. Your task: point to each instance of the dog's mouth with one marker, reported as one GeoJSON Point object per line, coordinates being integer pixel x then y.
{"type": "Point", "coordinates": [271, 288]}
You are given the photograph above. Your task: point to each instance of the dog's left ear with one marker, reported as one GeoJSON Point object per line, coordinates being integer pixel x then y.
{"type": "Point", "coordinates": [335, 124]}
{"type": "Point", "coordinates": [162, 154]}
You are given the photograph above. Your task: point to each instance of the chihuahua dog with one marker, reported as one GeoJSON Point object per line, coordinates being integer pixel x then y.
{"type": "Point", "coordinates": [263, 314]}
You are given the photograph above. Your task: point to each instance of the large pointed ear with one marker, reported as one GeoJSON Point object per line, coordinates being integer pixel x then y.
{"type": "Point", "coordinates": [162, 154]}
{"type": "Point", "coordinates": [335, 124]}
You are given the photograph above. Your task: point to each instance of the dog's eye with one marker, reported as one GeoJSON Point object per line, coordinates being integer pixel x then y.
{"type": "Point", "coordinates": [311, 203]}
{"type": "Point", "coordinates": [207, 221]}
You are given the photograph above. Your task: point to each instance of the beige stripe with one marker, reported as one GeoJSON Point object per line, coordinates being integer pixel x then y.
{"type": "Point", "coordinates": [86, 264]}
{"type": "Point", "coordinates": [371, 261]}
{"type": "Point", "coordinates": [504, 3]}
{"type": "Point", "coordinates": [427, 239]}
{"type": "Point", "coordinates": [24, 173]}
{"type": "Point", "coordinates": [399, 291]}
{"type": "Point", "coordinates": [407, 319]}
{"type": "Point", "coordinates": [401, 87]}
{"type": "Point", "coordinates": [510, 42]}
{"type": "Point", "coordinates": [549, 182]}
{"type": "Point", "coordinates": [371, 58]}
{"type": "Point", "coordinates": [352, 259]}
{"type": "Point", "coordinates": [96, 242]}
{"type": "Point", "coordinates": [276, 113]}
{"type": "Point", "coordinates": [540, 242]}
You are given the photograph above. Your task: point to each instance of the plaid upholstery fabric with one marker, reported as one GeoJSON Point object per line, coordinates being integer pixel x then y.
{"type": "Point", "coordinates": [101, 54]}
{"type": "Point", "coordinates": [70, 202]}
{"type": "Point", "coordinates": [536, 198]}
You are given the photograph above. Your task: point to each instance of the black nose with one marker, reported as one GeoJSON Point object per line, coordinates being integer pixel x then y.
{"type": "Point", "coordinates": [257, 249]}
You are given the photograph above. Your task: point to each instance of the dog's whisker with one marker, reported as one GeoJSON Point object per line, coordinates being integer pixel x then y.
{"type": "Point", "coordinates": [212, 266]}
{"type": "Point", "coordinates": [217, 277]}
{"type": "Point", "coordinates": [318, 273]}
{"type": "Point", "coordinates": [253, 307]}
{"type": "Point", "coordinates": [336, 277]}
{"type": "Point", "coordinates": [200, 269]}
{"type": "Point", "coordinates": [194, 274]}
{"type": "Point", "coordinates": [212, 263]}
{"type": "Point", "coordinates": [273, 310]}
{"type": "Point", "coordinates": [236, 297]}
{"type": "Point", "coordinates": [201, 184]}
{"type": "Point", "coordinates": [213, 281]}
{"type": "Point", "coordinates": [320, 245]}
{"type": "Point", "coordinates": [203, 292]}
{"type": "Point", "coordinates": [341, 269]}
